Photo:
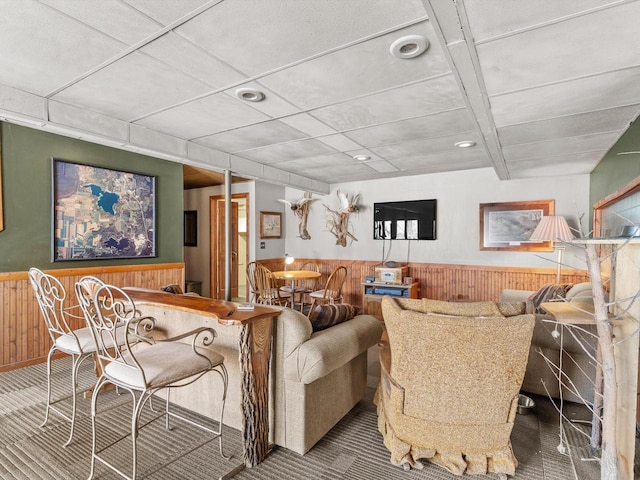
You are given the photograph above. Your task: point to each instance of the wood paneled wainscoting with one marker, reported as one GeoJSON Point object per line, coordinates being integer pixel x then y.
{"type": "Point", "coordinates": [23, 336]}
{"type": "Point", "coordinates": [443, 281]}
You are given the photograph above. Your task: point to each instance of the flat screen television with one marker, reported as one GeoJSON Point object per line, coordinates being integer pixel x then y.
{"type": "Point", "coordinates": [407, 220]}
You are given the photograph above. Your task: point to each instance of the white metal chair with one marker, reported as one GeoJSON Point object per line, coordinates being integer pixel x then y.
{"type": "Point", "coordinates": [144, 370]}
{"type": "Point", "coordinates": [66, 337]}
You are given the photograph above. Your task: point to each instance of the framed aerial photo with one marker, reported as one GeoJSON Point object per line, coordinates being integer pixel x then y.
{"type": "Point", "coordinates": [508, 225]}
{"type": "Point", "coordinates": [100, 213]}
{"type": "Point", "coordinates": [270, 224]}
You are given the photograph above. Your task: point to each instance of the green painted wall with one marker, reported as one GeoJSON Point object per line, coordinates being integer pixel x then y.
{"type": "Point", "coordinates": [615, 171]}
{"type": "Point", "coordinates": [26, 182]}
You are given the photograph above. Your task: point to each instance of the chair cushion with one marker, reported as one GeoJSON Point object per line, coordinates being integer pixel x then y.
{"type": "Point", "coordinates": [68, 344]}
{"type": "Point", "coordinates": [325, 316]}
{"type": "Point", "coordinates": [162, 364]}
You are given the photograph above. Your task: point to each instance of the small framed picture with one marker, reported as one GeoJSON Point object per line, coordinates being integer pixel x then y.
{"type": "Point", "coordinates": [270, 224]}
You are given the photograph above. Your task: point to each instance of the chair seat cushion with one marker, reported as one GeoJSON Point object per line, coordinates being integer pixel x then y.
{"type": "Point", "coordinates": [162, 364]}
{"type": "Point", "coordinates": [321, 294]}
{"type": "Point", "coordinates": [325, 316]}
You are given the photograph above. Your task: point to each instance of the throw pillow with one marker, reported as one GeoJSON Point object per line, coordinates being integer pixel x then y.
{"type": "Point", "coordinates": [511, 309]}
{"type": "Point", "coordinates": [546, 293]}
{"type": "Point", "coordinates": [325, 316]}
{"type": "Point", "coordinates": [462, 309]}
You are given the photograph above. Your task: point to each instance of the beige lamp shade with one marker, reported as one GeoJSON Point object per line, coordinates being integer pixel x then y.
{"type": "Point", "coordinates": [552, 228]}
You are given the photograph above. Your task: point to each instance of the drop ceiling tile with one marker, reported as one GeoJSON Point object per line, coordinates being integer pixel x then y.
{"type": "Point", "coordinates": [21, 102]}
{"type": "Point", "coordinates": [308, 124]}
{"type": "Point", "coordinates": [86, 120]}
{"type": "Point", "coordinates": [252, 136]}
{"type": "Point", "coordinates": [174, 50]}
{"type": "Point", "coordinates": [458, 159]}
{"type": "Point", "coordinates": [428, 145]}
{"type": "Point", "coordinates": [614, 89]}
{"type": "Point", "coordinates": [579, 164]}
{"type": "Point", "coordinates": [317, 162]}
{"type": "Point", "coordinates": [340, 142]}
{"type": "Point", "coordinates": [166, 12]}
{"type": "Point", "coordinates": [358, 70]}
{"type": "Point", "coordinates": [132, 87]}
{"type": "Point", "coordinates": [203, 117]}
{"type": "Point", "coordinates": [435, 125]}
{"type": "Point", "coordinates": [562, 51]}
{"type": "Point", "coordinates": [341, 172]}
{"type": "Point", "coordinates": [288, 151]}
{"type": "Point", "coordinates": [262, 36]}
{"type": "Point", "coordinates": [273, 105]}
{"type": "Point", "coordinates": [111, 17]}
{"type": "Point", "coordinates": [432, 96]}
{"type": "Point", "coordinates": [608, 120]}
{"type": "Point", "coordinates": [42, 49]}
{"type": "Point", "coordinates": [559, 147]}
{"type": "Point", "coordinates": [490, 18]}
{"type": "Point", "coordinates": [382, 166]}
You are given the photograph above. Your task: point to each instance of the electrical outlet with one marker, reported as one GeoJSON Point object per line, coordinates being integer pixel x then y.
{"type": "Point", "coordinates": [262, 245]}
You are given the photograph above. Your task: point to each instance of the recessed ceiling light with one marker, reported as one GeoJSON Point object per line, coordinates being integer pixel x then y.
{"type": "Point", "coordinates": [409, 46]}
{"type": "Point", "coordinates": [465, 144]}
{"type": "Point", "coordinates": [250, 94]}
{"type": "Point", "coordinates": [362, 158]}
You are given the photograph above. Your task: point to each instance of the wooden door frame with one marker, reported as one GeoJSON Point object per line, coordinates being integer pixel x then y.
{"type": "Point", "coordinates": [213, 265]}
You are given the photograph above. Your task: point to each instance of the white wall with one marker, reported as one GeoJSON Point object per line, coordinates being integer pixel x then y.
{"type": "Point", "coordinates": [459, 195]}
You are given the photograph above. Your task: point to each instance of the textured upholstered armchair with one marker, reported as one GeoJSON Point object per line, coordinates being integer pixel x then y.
{"type": "Point", "coordinates": [450, 378]}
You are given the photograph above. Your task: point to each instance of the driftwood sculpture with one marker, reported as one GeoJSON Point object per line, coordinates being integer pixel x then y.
{"type": "Point", "coordinates": [338, 221]}
{"type": "Point", "coordinates": [301, 209]}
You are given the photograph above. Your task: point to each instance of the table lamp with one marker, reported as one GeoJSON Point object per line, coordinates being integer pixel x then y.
{"type": "Point", "coordinates": [288, 260]}
{"type": "Point", "coordinates": [553, 228]}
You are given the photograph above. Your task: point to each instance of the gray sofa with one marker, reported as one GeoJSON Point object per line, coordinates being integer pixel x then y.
{"type": "Point", "coordinates": [317, 377]}
{"type": "Point", "coordinates": [576, 364]}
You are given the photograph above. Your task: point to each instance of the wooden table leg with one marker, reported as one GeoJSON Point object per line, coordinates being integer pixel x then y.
{"type": "Point", "coordinates": [255, 353]}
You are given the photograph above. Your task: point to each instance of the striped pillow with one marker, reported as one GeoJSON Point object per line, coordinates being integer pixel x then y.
{"type": "Point", "coordinates": [325, 316]}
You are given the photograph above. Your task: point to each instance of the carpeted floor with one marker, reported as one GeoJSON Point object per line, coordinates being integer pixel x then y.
{"type": "Point", "coordinates": [353, 449]}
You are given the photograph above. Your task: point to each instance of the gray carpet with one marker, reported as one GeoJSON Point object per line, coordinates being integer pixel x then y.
{"type": "Point", "coordinates": [351, 450]}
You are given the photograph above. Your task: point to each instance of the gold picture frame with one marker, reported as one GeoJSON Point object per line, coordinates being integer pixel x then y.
{"type": "Point", "coordinates": [508, 225]}
{"type": "Point", "coordinates": [270, 224]}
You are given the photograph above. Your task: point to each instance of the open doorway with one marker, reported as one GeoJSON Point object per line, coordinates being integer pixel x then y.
{"type": "Point", "coordinates": [239, 245]}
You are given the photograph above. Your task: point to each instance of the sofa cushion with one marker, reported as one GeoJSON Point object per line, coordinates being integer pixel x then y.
{"type": "Point", "coordinates": [580, 292]}
{"type": "Point", "coordinates": [509, 309]}
{"type": "Point", "coordinates": [462, 309]}
{"type": "Point", "coordinates": [325, 316]}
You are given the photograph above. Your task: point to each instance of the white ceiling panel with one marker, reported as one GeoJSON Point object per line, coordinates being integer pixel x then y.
{"type": "Point", "coordinates": [336, 77]}
{"type": "Point", "coordinates": [41, 49]}
{"type": "Point", "coordinates": [112, 17]}
{"type": "Point", "coordinates": [182, 55]}
{"type": "Point", "coordinates": [253, 136]}
{"type": "Point", "coordinates": [444, 123]}
{"type": "Point", "coordinates": [435, 95]}
{"type": "Point", "coordinates": [259, 36]}
{"type": "Point", "coordinates": [539, 86]}
{"type": "Point", "coordinates": [132, 87]}
{"type": "Point", "coordinates": [167, 12]}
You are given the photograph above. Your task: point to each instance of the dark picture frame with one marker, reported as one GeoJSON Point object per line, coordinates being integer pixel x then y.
{"type": "Point", "coordinates": [101, 213]}
{"type": "Point", "coordinates": [270, 224]}
{"type": "Point", "coordinates": [508, 225]}
{"type": "Point", "coordinates": [190, 228]}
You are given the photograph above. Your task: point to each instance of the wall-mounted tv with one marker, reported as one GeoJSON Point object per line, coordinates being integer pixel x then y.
{"type": "Point", "coordinates": [408, 220]}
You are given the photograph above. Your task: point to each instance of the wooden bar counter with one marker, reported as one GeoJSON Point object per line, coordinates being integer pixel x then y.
{"type": "Point", "coordinates": [255, 351]}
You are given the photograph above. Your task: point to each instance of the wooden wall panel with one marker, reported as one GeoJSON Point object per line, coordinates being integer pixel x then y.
{"type": "Point", "coordinates": [444, 281]}
{"type": "Point", "coordinates": [24, 339]}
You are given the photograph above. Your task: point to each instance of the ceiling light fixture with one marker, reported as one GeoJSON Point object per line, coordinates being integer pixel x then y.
{"type": "Point", "coordinates": [409, 46]}
{"type": "Point", "coordinates": [250, 94]}
{"type": "Point", "coordinates": [465, 144]}
{"type": "Point", "coordinates": [362, 158]}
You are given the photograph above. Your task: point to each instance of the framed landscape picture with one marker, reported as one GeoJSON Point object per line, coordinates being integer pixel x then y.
{"type": "Point", "coordinates": [100, 213]}
{"type": "Point", "coordinates": [270, 224]}
{"type": "Point", "coordinates": [508, 225]}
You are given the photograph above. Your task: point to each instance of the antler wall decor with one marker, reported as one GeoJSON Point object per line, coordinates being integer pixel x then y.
{"type": "Point", "coordinates": [301, 209]}
{"type": "Point", "coordinates": [338, 221]}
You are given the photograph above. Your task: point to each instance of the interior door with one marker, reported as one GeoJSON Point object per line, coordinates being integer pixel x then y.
{"type": "Point", "coordinates": [220, 250]}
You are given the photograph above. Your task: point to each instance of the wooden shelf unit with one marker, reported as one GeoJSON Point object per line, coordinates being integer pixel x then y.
{"type": "Point", "coordinates": [371, 301]}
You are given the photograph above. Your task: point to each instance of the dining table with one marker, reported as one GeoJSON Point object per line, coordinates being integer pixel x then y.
{"type": "Point", "coordinates": [294, 276]}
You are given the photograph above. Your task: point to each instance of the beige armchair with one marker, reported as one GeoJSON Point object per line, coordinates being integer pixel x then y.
{"type": "Point", "coordinates": [450, 378]}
